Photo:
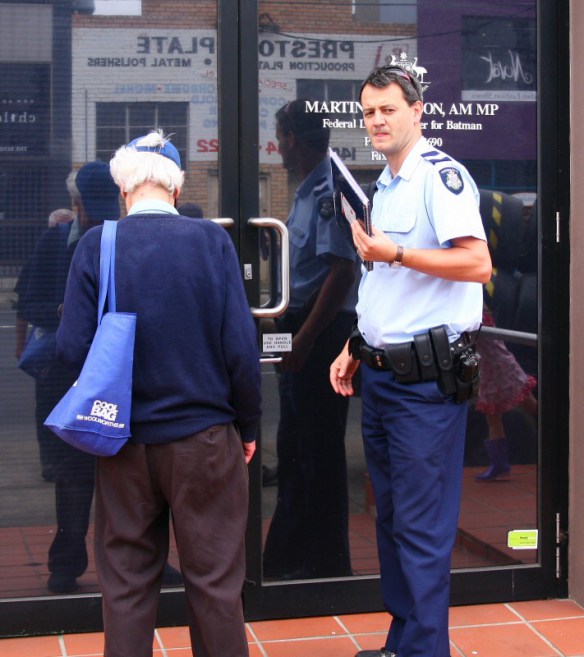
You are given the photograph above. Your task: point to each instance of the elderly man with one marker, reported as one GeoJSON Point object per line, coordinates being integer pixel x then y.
{"type": "Point", "coordinates": [195, 410]}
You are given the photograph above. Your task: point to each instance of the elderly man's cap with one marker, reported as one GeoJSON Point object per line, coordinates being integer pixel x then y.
{"type": "Point", "coordinates": [168, 150]}
{"type": "Point", "coordinates": [99, 193]}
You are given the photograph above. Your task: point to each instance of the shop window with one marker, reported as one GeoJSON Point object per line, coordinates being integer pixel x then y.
{"type": "Point", "coordinates": [119, 123]}
{"type": "Point", "coordinates": [108, 7]}
{"type": "Point", "coordinates": [403, 12]}
{"type": "Point", "coordinates": [330, 90]}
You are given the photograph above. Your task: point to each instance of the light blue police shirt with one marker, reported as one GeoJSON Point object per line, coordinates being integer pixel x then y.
{"type": "Point", "coordinates": [314, 235]}
{"type": "Point", "coordinates": [431, 201]}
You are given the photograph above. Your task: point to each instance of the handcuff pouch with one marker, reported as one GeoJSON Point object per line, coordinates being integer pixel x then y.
{"type": "Point", "coordinates": [403, 362]}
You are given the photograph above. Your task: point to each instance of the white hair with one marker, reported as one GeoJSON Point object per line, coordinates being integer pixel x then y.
{"type": "Point", "coordinates": [131, 168]}
{"type": "Point", "coordinates": [72, 187]}
{"type": "Point", "coordinates": [61, 216]}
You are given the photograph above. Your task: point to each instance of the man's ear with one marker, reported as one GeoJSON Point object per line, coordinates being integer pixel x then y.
{"type": "Point", "coordinates": [419, 109]}
{"type": "Point", "coordinates": [176, 193]}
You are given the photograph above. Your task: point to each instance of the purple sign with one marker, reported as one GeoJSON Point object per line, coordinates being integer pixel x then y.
{"type": "Point", "coordinates": [479, 74]}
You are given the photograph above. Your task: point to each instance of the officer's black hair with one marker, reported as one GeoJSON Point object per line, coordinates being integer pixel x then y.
{"type": "Point", "coordinates": [305, 125]}
{"type": "Point", "coordinates": [383, 76]}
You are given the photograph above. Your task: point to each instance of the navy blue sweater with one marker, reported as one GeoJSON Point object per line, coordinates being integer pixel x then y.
{"type": "Point", "coordinates": [196, 359]}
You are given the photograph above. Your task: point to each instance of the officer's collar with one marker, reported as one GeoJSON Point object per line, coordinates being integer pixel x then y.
{"type": "Point", "coordinates": [406, 171]}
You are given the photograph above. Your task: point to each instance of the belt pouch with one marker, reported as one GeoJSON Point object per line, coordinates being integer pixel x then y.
{"type": "Point", "coordinates": [467, 368]}
{"type": "Point", "coordinates": [402, 360]}
{"type": "Point", "coordinates": [428, 371]}
{"type": "Point", "coordinates": [356, 342]}
{"type": "Point", "coordinates": [446, 376]}
{"type": "Point", "coordinates": [374, 358]}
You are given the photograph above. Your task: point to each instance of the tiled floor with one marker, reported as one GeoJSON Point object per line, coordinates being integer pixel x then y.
{"type": "Point", "coordinates": [488, 512]}
{"type": "Point", "coordinates": [547, 628]}
{"type": "Point", "coordinates": [552, 628]}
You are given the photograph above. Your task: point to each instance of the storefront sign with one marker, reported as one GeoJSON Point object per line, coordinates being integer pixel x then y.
{"type": "Point", "coordinates": [24, 109]}
{"type": "Point", "coordinates": [479, 93]}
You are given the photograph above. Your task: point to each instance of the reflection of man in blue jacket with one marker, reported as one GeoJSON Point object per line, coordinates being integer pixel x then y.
{"type": "Point", "coordinates": [308, 535]}
{"type": "Point", "coordinates": [96, 197]}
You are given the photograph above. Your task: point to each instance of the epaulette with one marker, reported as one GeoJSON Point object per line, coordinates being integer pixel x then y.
{"type": "Point", "coordinates": [435, 157]}
{"type": "Point", "coordinates": [321, 186]}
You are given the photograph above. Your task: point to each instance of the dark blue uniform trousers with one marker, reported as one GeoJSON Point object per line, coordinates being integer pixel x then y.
{"type": "Point", "coordinates": [309, 532]}
{"type": "Point", "coordinates": [414, 445]}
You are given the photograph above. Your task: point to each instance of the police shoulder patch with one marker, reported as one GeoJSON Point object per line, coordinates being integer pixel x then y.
{"type": "Point", "coordinates": [326, 207]}
{"type": "Point", "coordinates": [452, 179]}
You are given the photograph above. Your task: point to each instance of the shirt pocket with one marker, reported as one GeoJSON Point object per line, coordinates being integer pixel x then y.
{"type": "Point", "coordinates": [395, 217]}
{"type": "Point", "coordinates": [397, 222]}
{"type": "Point", "coordinates": [298, 235]}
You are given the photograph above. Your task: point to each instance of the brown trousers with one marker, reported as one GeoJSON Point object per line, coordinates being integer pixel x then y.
{"type": "Point", "coordinates": [203, 481]}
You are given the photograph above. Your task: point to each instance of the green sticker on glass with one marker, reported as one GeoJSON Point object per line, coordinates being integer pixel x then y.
{"type": "Point", "coordinates": [522, 539]}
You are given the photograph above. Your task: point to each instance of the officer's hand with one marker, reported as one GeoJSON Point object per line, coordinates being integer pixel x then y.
{"type": "Point", "coordinates": [341, 373]}
{"type": "Point", "coordinates": [377, 248]}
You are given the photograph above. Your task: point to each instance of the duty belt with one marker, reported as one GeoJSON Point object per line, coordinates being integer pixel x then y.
{"type": "Point", "coordinates": [429, 357]}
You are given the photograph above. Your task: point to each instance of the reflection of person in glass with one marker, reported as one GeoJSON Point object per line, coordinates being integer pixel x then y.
{"type": "Point", "coordinates": [422, 299]}
{"type": "Point", "coordinates": [56, 218]}
{"type": "Point", "coordinates": [308, 535]}
{"type": "Point", "coordinates": [507, 382]}
{"type": "Point", "coordinates": [96, 198]}
{"type": "Point", "coordinates": [504, 386]}
{"type": "Point", "coordinates": [37, 300]}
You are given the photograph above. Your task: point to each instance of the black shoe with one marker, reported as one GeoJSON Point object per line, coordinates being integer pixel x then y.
{"type": "Point", "coordinates": [383, 652]}
{"type": "Point", "coordinates": [171, 576]}
{"type": "Point", "coordinates": [269, 476]}
{"type": "Point", "coordinates": [60, 583]}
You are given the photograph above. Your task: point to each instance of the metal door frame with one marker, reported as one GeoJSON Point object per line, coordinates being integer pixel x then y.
{"type": "Point", "coordinates": [239, 185]}
{"type": "Point", "coordinates": [548, 578]}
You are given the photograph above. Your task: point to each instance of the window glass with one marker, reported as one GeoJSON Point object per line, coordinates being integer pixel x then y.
{"type": "Point", "coordinates": [476, 62]}
{"type": "Point", "coordinates": [119, 122]}
{"type": "Point", "coordinates": [79, 79]}
{"type": "Point", "coordinates": [115, 7]}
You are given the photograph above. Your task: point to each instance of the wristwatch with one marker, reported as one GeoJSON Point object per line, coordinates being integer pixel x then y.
{"type": "Point", "coordinates": [397, 261]}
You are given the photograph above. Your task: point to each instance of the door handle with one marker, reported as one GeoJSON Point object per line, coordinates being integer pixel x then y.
{"type": "Point", "coordinates": [279, 308]}
{"type": "Point", "coordinates": [226, 222]}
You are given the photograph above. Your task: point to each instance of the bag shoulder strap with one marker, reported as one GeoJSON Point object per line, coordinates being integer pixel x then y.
{"type": "Point", "coordinates": [107, 261]}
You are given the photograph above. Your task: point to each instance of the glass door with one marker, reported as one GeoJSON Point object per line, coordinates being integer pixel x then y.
{"type": "Point", "coordinates": [478, 65]}
{"type": "Point", "coordinates": [231, 81]}
{"type": "Point", "coordinates": [94, 75]}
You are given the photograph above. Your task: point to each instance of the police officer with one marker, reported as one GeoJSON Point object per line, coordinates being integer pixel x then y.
{"type": "Point", "coordinates": [308, 535]}
{"type": "Point", "coordinates": [418, 313]}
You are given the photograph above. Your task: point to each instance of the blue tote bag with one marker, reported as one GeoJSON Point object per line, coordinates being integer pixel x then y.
{"type": "Point", "coordinates": [94, 414]}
